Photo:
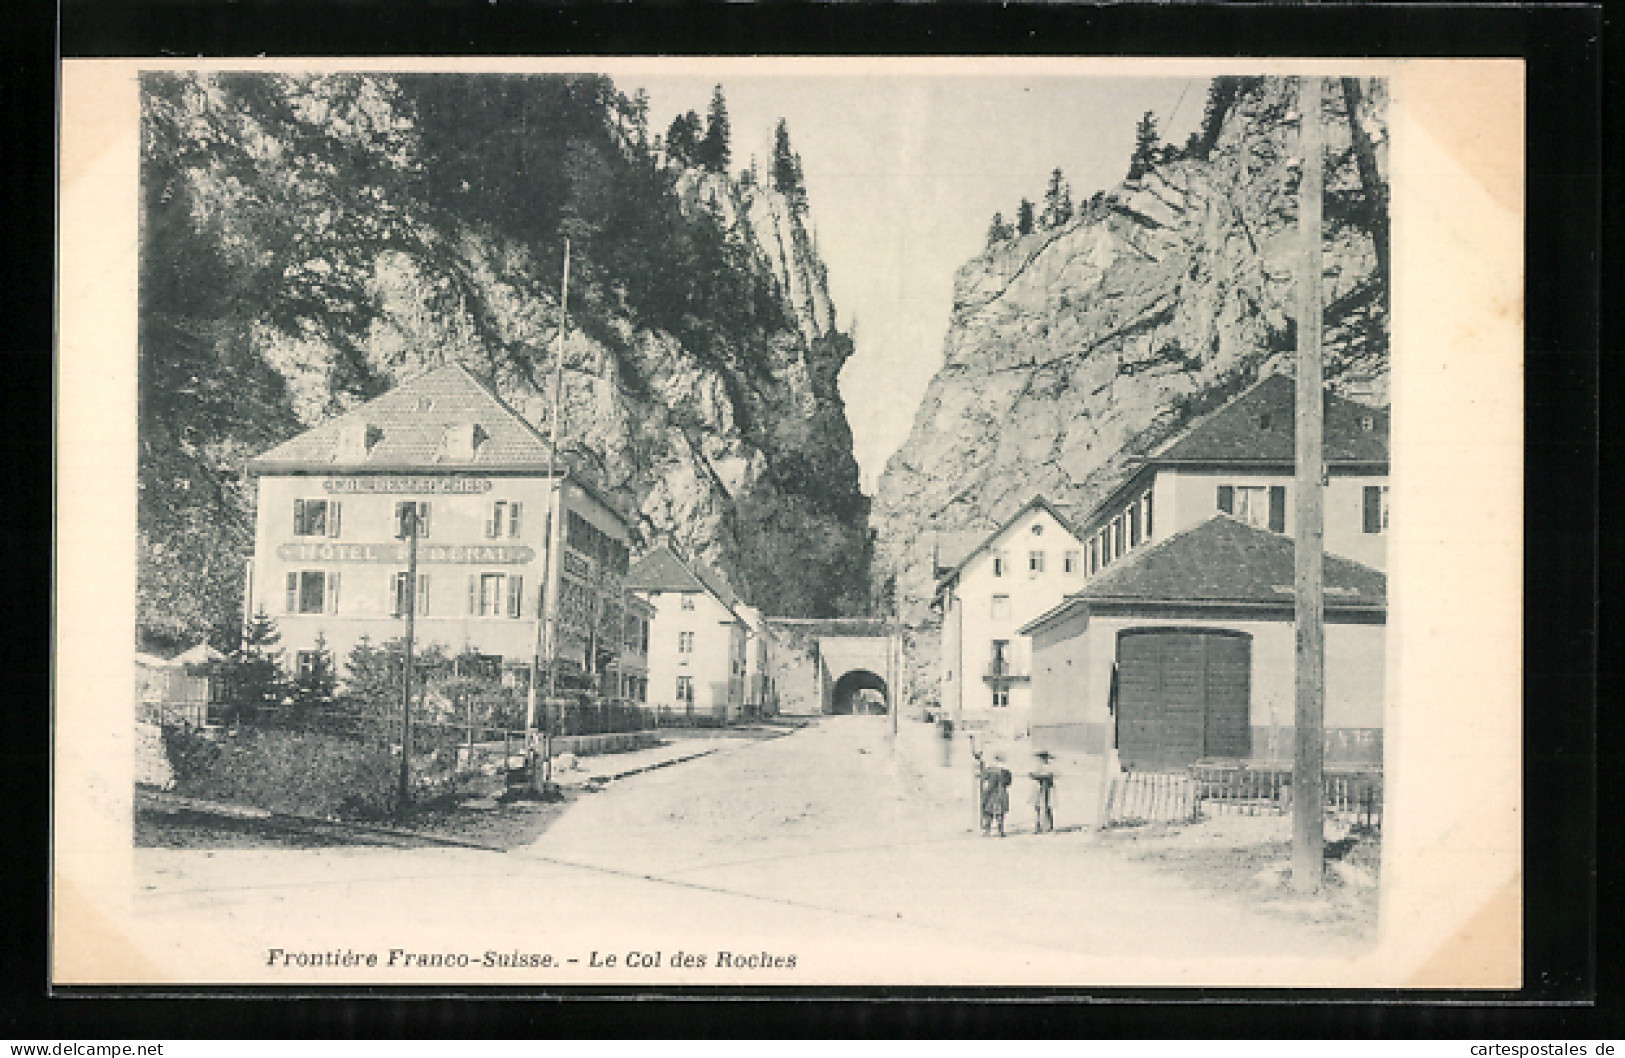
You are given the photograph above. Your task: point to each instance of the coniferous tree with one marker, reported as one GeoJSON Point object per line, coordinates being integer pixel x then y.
{"type": "Point", "coordinates": [1057, 201]}
{"type": "Point", "coordinates": [998, 231]}
{"type": "Point", "coordinates": [714, 152]}
{"type": "Point", "coordinates": [639, 111]}
{"type": "Point", "coordinates": [683, 140]}
{"type": "Point", "coordinates": [1024, 218]}
{"type": "Point", "coordinates": [314, 686]}
{"type": "Point", "coordinates": [786, 169]}
{"type": "Point", "coordinates": [1145, 146]}
{"type": "Point", "coordinates": [254, 669]}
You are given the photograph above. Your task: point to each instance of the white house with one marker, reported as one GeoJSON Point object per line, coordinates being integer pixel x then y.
{"type": "Point", "coordinates": [697, 638]}
{"type": "Point", "coordinates": [1240, 460]}
{"type": "Point", "coordinates": [1184, 650]}
{"type": "Point", "coordinates": [516, 559]}
{"type": "Point", "coordinates": [1017, 572]}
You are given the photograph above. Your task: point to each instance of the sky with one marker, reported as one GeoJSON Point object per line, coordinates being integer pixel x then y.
{"type": "Point", "coordinates": [903, 176]}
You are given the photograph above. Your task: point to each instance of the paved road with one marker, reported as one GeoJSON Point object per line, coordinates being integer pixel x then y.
{"type": "Point", "coordinates": [832, 845]}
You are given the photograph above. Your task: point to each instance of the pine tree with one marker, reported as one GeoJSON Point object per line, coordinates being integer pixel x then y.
{"type": "Point", "coordinates": [1145, 146]}
{"type": "Point", "coordinates": [254, 669]}
{"type": "Point", "coordinates": [639, 110]}
{"type": "Point", "coordinates": [998, 231]}
{"type": "Point", "coordinates": [314, 687]}
{"type": "Point", "coordinates": [1057, 201]}
{"type": "Point", "coordinates": [683, 140]}
{"type": "Point", "coordinates": [786, 169]}
{"type": "Point", "coordinates": [1024, 218]}
{"type": "Point", "coordinates": [714, 152]}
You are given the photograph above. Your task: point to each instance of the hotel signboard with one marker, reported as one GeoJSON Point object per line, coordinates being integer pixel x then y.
{"type": "Point", "coordinates": [395, 553]}
{"type": "Point", "coordinates": [411, 485]}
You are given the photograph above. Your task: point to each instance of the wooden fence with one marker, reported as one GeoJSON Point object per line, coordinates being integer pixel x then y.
{"type": "Point", "coordinates": [1213, 788]}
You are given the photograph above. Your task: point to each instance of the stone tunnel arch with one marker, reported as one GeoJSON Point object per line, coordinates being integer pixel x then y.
{"type": "Point", "coordinates": [846, 697]}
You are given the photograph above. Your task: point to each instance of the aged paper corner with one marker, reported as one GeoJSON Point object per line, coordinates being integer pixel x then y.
{"type": "Point", "coordinates": [89, 948]}
{"type": "Point", "coordinates": [1487, 952]}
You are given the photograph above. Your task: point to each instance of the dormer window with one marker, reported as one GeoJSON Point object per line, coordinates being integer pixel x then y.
{"type": "Point", "coordinates": [357, 441]}
{"type": "Point", "coordinates": [1264, 420]}
{"type": "Point", "coordinates": [1368, 423]}
{"type": "Point", "coordinates": [463, 440]}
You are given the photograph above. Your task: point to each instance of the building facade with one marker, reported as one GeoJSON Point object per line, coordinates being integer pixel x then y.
{"type": "Point", "coordinates": [1022, 569]}
{"type": "Point", "coordinates": [1186, 651]}
{"type": "Point", "coordinates": [516, 559]}
{"type": "Point", "coordinates": [1241, 461]}
{"type": "Point", "coordinates": [1237, 462]}
{"type": "Point", "coordinates": [698, 639]}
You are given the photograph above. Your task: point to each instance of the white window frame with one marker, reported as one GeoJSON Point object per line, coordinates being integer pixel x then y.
{"type": "Point", "coordinates": [999, 608]}
{"type": "Point", "coordinates": [294, 592]}
{"type": "Point", "coordinates": [332, 517]}
{"type": "Point", "coordinates": [504, 520]}
{"type": "Point", "coordinates": [423, 518]}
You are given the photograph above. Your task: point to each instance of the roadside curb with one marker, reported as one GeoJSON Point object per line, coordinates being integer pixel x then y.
{"type": "Point", "coordinates": [599, 780]}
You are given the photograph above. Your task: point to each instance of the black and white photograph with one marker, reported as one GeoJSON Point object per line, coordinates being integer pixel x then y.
{"type": "Point", "coordinates": [734, 522]}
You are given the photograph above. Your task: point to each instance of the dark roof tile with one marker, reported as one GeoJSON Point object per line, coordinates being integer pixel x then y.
{"type": "Point", "coordinates": [1260, 426]}
{"type": "Point", "coordinates": [1224, 560]}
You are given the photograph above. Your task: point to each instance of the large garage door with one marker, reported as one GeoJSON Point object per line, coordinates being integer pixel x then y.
{"type": "Point", "coordinates": [1182, 695]}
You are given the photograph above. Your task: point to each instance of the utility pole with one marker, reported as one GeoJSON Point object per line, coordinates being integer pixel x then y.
{"type": "Point", "coordinates": [1308, 852]}
{"type": "Point", "coordinates": [552, 467]}
{"type": "Point", "coordinates": [543, 618]}
{"type": "Point", "coordinates": [409, 526]}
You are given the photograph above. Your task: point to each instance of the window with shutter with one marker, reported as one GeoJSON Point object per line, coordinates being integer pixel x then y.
{"type": "Point", "coordinates": [473, 594]}
{"type": "Point", "coordinates": [513, 519]}
{"type": "Point", "coordinates": [423, 593]}
{"type": "Point", "coordinates": [332, 592]}
{"type": "Point", "coordinates": [516, 596]}
{"type": "Point", "coordinates": [1134, 525]}
{"type": "Point", "coordinates": [1147, 501]}
{"type": "Point", "coordinates": [291, 603]}
{"type": "Point", "coordinates": [491, 594]}
{"type": "Point", "coordinates": [1277, 508]}
{"type": "Point", "coordinates": [1375, 518]}
{"type": "Point", "coordinates": [298, 517]}
{"type": "Point", "coordinates": [1227, 499]}
{"type": "Point", "coordinates": [333, 513]}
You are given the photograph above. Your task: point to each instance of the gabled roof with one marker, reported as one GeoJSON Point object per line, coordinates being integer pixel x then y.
{"type": "Point", "coordinates": [1259, 425]}
{"type": "Point", "coordinates": [949, 547]}
{"type": "Point", "coordinates": [1224, 562]}
{"type": "Point", "coordinates": [661, 570]}
{"type": "Point", "coordinates": [409, 426]}
{"type": "Point", "coordinates": [987, 541]}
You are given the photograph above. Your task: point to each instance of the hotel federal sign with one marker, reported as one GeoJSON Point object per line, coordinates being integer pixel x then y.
{"type": "Point", "coordinates": [407, 485]}
{"type": "Point", "coordinates": [395, 554]}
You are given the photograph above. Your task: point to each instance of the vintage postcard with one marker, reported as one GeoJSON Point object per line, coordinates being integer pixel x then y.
{"type": "Point", "coordinates": [650, 522]}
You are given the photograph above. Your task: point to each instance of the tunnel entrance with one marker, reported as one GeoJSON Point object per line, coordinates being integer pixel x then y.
{"type": "Point", "coordinates": [859, 692]}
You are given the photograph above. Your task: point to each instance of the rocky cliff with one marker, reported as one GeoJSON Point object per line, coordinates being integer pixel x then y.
{"type": "Point", "coordinates": [309, 242]}
{"type": "Point", "coordinates": [1075, 347]}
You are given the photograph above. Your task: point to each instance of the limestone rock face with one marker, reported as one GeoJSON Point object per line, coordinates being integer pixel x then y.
{"type": "Point", "coordinates": [738, 453]}
{"type": "Point", "coordinates": [1073, 348]}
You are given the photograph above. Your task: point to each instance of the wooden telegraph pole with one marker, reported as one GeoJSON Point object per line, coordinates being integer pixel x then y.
{"type": "Point", "coordinates": [409, 525]}
{"type": "Point", "coordinates": [1308, 857]}
{"type": "Point", "coordinates": [544, 618]}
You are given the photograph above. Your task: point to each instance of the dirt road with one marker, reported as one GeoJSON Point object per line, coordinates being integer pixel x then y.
{"type": "Point", "coordinates": [827, 856]}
